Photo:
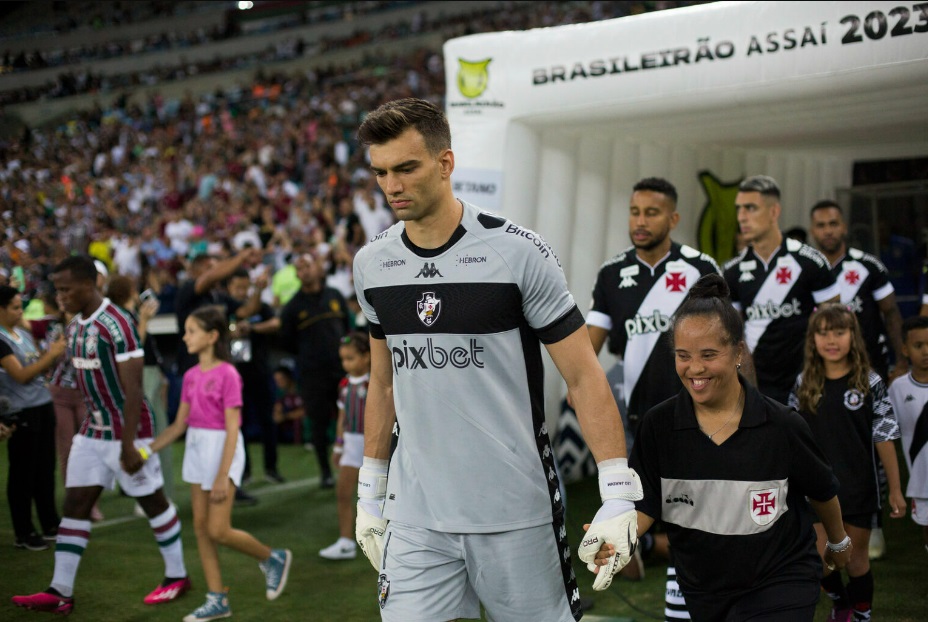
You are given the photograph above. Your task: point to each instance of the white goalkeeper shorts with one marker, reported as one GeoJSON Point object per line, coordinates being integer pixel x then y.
{"type": "Point", "coordinates": [517, 575]}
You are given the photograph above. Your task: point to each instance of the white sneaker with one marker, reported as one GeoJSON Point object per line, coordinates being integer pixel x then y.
{"type": "Point", "coordinates": [340, 550]}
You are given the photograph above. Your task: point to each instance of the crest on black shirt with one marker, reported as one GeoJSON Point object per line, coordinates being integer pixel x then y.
{"type": "Point", "coordinates": [428, 308]}
{"type": "Point", "coordinates": [764, 505]}
{"type": "Point", "coordinates": [853, 399]}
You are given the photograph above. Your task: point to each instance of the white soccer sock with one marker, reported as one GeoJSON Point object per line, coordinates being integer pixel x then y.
{"type": "Point", "coordinates": [343, 541]}
{"type": "Point", "coordinates": [72, 539]}
{"type": "Point", "coordinates": [167, 532]}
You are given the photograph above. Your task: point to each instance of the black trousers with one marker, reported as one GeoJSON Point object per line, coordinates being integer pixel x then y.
{"type": "Point", "coordinates": [258, 405]}
{"type": "Point", "coordinates": [31, 478]}
{"type": "Point", "coordinates": [319, 388]}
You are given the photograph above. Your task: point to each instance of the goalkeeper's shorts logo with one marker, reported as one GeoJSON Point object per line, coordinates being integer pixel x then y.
{"type": "Point", "coordinates": [384, 587]}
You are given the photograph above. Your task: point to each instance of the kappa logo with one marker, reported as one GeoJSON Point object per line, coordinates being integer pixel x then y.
{"type": "Point", "coordinates": [429, 271]}
{"type": "Point", "coordinates": [473, 77]}
{"type": "Point", "coordinates": [428, 308]}
{"type": "Point", "coordinates": [764, 505]}
{"type": "Point", "coordinates": [626, 275]}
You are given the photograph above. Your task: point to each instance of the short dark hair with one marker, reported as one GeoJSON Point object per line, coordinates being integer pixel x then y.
{"type": "Point", "coordinates": [826, 204]}
{"type": "Point", "coordinates": [657, 184]}
{"type": "Point", "coordinates": [797, 233]}
{"type": "Point", "coordinates": [764, 184]}
{"type": "Point", "coordinates": [7, 294]}
{"type": "Point", "coordinates": [393, 118]}
{"type": "Point", "coordinates": [81, 267]}
{"type": "Point", "coordinates": [359, 339]}
{"type": "Point", "coordinates": [916, 322]}
{"type": "Point", "coordinates": [710, 297]}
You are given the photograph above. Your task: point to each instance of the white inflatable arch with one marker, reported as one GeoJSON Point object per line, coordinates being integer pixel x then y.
{"type": "Point", "coordinates": [552, 127]}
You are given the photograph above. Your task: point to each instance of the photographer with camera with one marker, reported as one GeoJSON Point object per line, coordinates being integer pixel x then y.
{"type": "Point", "coordinates": [32, 447]}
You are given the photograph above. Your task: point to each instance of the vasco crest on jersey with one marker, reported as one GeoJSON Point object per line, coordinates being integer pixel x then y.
{"type": "Point", "coordinates": [428, 308]}
{"type": "Point", "coordinates": [764, 505]}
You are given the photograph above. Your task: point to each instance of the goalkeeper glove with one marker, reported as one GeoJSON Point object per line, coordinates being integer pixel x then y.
{"type": "Point", "coordinates": [371, 525]}
{"type": "Point", "coordinates": [615, 523]}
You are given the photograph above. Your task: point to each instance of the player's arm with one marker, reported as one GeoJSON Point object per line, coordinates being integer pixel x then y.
{"type": "Point", "coordinates": [25, 375]}
{"type": "Point", "coordinates": [130, 377]}
{"type": "Point", "coordinates": [597, 337]}
{"type": "Point", "coordinates": [830, 514]}
{"type": "Point", "coordinates": [887, 452]}
{"type": "Point", "coordinates": [614, 528]}
{"type": "Point", "coordinates": [173, 431]}
{"type": "Point", "coordinates": [220, 491]}
{"type": "Point", "coordinates": [596, 409]}
{"type": "Point", "coordinates": [379, 417]}
{"type": "Point", "coordinates": [892, 319]}
{"type": "Point", "coordinates": [379, 412]}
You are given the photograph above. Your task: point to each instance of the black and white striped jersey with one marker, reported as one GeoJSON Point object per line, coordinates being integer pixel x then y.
{"type": "Point", "coordinates": [864, 282]}
{"type": "Point", "coordinates": [777, 298]}
{"type": "Point", "coordinates": [464, 324]}
{"type": "Point", "coordinates": [634, 302]}
{"type": "Point", "coordinates": [910, 402]}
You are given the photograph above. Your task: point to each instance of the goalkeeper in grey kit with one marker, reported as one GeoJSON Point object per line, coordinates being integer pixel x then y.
{"type": "Point", "coordinates": [459, 302]}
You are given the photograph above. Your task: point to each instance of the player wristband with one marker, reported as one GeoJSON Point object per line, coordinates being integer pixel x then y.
{"type": "Point", "coordinates": [840, 547]}
{"type": "Point", "coordinates": [144, 451]}
{"type": "Point", "coordinates": [372, 479]}
{"type": "Point", "coordinates": [617, 481]}
{"type": "Point", "coordinates": [337, 449]}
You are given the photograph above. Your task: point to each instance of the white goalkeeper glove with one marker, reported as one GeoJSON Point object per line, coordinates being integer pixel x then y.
{"type": "Point", "coordinates": [371, 525]}
{"type": "Point", "coordinates": [615, 523]}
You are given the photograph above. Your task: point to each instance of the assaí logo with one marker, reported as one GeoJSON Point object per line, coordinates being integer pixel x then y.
{"type": "Point", "coordinates": [427, 355]}
{"type": "Point", "coordinates": [473, 79]}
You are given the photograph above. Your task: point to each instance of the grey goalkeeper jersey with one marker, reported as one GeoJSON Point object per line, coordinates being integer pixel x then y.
{"type": "Point", "coordinates": [464, 324]}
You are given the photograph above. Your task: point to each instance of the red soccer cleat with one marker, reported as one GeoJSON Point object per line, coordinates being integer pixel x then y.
{"type": "Point", "coordinates": [169, 592]}
{"type": "Point", "coordinates": [44, 601]}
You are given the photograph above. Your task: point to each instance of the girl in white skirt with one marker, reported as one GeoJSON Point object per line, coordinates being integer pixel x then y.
{"type": "Point", "coordinates": [214, 459]}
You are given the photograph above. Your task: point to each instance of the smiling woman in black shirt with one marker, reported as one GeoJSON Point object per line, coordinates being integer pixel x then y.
{"type": "Point", "coordinates": [728, 471]}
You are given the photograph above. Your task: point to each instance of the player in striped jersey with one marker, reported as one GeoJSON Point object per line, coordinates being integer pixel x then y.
{"type": "Point", "coordinates": [107, 356]}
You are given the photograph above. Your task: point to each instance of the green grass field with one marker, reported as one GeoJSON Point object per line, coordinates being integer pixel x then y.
{"type": "Point", "coordinates": [122, 564]}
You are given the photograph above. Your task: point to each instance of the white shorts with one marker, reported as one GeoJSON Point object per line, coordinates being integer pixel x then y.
{"type": "Point", "coordinates": [920, 511]}
{"type": "Point", "coordinates": [352, 450]}
{"type": "Point", "coordinates": [203, 454]}
{"type": "Point", "coordinates": [517, 575]}
{"type": "Point", "coordinates": [95, 462]}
